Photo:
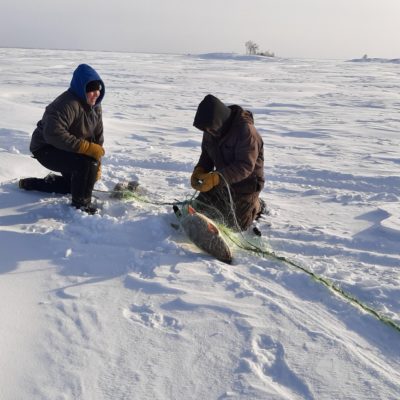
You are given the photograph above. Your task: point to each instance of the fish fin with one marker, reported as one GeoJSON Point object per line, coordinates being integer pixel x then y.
{"type": "Point", "coordinates": [212, 228]}
{"type": "Point", "coordinates": [191, 210]}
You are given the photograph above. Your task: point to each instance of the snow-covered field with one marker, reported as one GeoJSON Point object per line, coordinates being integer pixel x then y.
{"type": "Point", "coordinates": [121, 306]}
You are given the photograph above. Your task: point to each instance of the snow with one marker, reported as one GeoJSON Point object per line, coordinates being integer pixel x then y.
{"type": "Point", "coordinates": [233, 56]}
{"type": "Point", "coordinates": [376, 60]}
{"type": "Point", "coordinates": [121, 306]}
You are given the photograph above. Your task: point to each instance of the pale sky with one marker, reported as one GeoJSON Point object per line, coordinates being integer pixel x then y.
{"type": "Point", "coordinates": [339, 29]}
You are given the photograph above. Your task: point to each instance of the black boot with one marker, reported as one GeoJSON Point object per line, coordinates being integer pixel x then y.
{"type": "Point", "coordinates": [87, 208]}
{"type": "Point", "coordinates": [82, 183]}
{"type": "Point", "coordinates": [52, 183]}
{"type": "Point", "coordinates": [29, 183]}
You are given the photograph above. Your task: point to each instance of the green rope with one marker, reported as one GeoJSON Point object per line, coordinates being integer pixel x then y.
{"type": "Point", "coordinates": [326, 282]}
{"type": "Point", "coordinates": [246, 245]}
{"type": "Point", "coordinates": [127, 195]}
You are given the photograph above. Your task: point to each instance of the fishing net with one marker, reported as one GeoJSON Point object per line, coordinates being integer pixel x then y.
{"type": "Point", "coordinates": [236, 211]}
{"type": "Point", "coordinates": [226, 212]}
{"type": "Point", "coordinates": [223, 212]}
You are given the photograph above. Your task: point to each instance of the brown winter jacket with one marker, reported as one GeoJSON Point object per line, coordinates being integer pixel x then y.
{"type": "Point", "coordinates": [66, 121]}
{"type": "Point", "coordinates": [237, 152]}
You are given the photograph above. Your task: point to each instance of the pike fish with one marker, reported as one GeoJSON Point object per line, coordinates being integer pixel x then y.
{"type": "Point", "coordinates": [203, 233]}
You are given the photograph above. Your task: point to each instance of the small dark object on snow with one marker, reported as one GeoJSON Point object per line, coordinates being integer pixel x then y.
{"type": "Point", "coordinates": [257, 231]}
{"type": "Point", "coordinates": [121, 188]}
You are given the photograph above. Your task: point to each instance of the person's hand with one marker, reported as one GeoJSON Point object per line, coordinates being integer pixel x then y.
{"type": "Point", "coordinates": [90, 149]}
{"type": "Point", "coordinates": [196, 177]}
{"type": "Point", "coordinates": [209, 181]}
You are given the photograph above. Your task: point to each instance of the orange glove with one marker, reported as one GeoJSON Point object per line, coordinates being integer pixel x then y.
{"type": "Point", "coordinates": [209, 181]}
{"type": "Point", "coordinates": [198, 174]}
{"type": "Point", "coordinates": [90, 149]}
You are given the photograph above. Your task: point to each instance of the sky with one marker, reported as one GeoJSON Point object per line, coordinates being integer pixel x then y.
{"type": "Point", "coordinates": [339, 29]}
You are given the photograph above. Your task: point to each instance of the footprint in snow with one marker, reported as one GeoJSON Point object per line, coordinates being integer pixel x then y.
{"type": "Point", "coordinates": [145, 316]}
{"type": "Point", "coordinates": [267, 360]}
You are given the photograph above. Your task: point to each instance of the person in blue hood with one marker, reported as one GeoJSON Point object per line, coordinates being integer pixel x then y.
{"type": "Point", "coordinates": [69, 140]}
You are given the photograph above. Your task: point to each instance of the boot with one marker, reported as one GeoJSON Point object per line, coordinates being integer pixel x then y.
{"type": "Point", "coordinates": [51, 183]}
{"type": "Point", "coordinates": [28, 183]}
{"type": "Point", "coordinates": [87, 208]}
{"type": "Point", "coordinates": [82, 183]}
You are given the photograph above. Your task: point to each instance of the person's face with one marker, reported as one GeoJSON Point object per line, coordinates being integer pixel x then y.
{"type": "Point", "coordinates": [91, 97]}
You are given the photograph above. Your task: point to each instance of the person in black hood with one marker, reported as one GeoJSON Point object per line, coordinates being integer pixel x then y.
{"type": "Point", "coordinates": [232, 157]}
{"type": "Point", "coordinates": [69, 140]}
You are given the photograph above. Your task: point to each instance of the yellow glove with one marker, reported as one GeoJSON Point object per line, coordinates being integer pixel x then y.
{"type": "Point", "coordinates": [90, 149]}
{"type": "Point", "coordinates": [98, 175]}
{"type": "Point", "coordinates": [209, 181]}
{"type": "Point", "coordinates": [197, 175]}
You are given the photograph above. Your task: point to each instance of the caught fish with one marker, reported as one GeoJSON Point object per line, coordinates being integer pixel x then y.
{"type": "Point", "coordinates": [204, 233]}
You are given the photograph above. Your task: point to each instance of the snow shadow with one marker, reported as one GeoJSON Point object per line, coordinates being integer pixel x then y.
{"type": "Point", "coordinates": [104, 246]}
{"type": "Point", "coordinates": [326, 179]}
{"type": "Point", "coordinates": [383, 236]}
{"type": "Point", "coordinates": [16, 247]}
{"type": "Point", "coordinates": [14, 141]}
{"type": "Point", "coordinates": [37, 226]}
{"type": "Point", "coordinates": [22, 236]}
{"type": "Point", "coordinates": [105, 249]}
{"type": "Point", "coordinates": [344, 313]}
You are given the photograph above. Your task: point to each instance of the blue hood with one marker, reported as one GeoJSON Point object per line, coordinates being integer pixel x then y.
{"type": "Point", "coordinates": [82, 76]}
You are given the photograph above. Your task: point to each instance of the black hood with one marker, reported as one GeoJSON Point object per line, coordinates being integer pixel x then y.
{"type": "Point", "coordinates": [211, 113]}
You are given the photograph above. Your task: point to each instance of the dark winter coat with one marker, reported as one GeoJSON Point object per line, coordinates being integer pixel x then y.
{"type": "Point", "coordinates": [69, 119]}
{"type": "Point", "coordinates": [236, 150]}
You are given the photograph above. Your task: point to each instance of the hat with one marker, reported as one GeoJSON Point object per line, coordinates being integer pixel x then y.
{"type": "Point", "coordinates": [211, 114]}
{"type": "Point", "coordinates": [93, 86]}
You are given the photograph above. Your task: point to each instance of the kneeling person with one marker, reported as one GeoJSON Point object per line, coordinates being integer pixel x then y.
{"type": "Point", "coordinates": [232, 156]}
{"type": "Point", "coordinates": [69, 139]}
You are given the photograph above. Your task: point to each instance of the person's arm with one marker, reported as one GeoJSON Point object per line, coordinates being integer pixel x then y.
{"type": "Point", "coordinates": [246, 153]}
{"type": "Point", "coordinates": [56, 126]}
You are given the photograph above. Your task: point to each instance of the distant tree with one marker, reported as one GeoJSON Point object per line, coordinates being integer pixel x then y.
{"type": "Point", "coordinates": [365, 56]}
{"type": "Point", "coordinates": [251, 47]}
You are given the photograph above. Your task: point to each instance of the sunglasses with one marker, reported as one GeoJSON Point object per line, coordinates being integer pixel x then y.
{"type": "Point", "coordinates": [93, 86]}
